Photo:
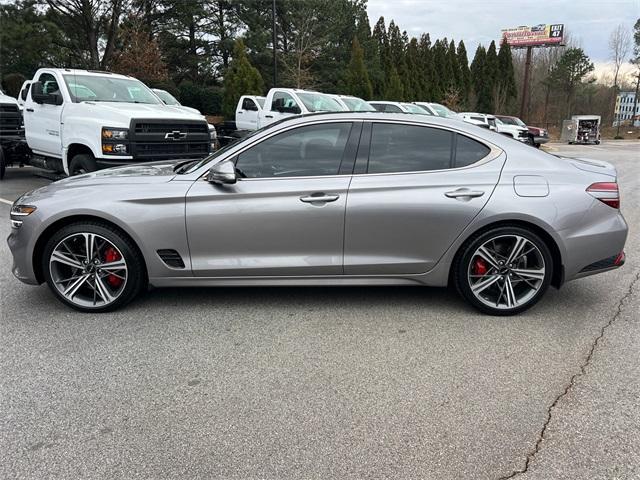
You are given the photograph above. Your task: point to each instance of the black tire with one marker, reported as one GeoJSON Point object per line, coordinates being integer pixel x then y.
{"type": "Point", "coordinates": [537, 145]}
{"type": "Point", "coordinates": [3, 164]}
{"type": "Point", "coordinates": [136, 272]}
{"type": "Point", "coordinates": [462, 261]}
{"type": "Point", "coordinates": [82, 163]}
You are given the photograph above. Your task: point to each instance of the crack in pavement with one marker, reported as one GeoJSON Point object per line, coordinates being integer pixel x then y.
{"type": "Point", "coordinates": [571, 384]}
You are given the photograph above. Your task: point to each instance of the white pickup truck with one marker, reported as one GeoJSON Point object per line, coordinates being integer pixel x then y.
{"type": "Point", "coordinates": [77, 121]}
{"type": "Point", "coordinates": [281, 103]}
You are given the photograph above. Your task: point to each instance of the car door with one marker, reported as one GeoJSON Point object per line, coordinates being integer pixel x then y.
{"type": "Point", "coordinates": [42, 121]}
{"type": "Point", "coordinates": [285, 214]}
{"type": "Point", "coordinates": [415, 190]}
{"type": "Point", "coordinates": [247, 115]}
{"type": "Point", "coordinates": [279, 100]}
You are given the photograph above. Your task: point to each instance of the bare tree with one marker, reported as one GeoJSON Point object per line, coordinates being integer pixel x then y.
{"type": "Point", "coordinates": [619, 48]}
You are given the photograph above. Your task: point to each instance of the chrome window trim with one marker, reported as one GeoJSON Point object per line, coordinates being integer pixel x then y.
{"type": "Point", "coordinates": [494, 150]}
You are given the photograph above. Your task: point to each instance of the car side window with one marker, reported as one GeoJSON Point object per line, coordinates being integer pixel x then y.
{"type": "Point", "coordinates": [378, 106]}
{"type": "Point", "coordinates": [306, 151]}
{"type": "Point", "coordinates": [49, 83]}
{"type": "Point", "coordinates": [469, 151]}
{"type": "Point", "coordinates": [282, 99]}
{"type": "Point", "coordinates": [408, 148]}
{"type": "Point", "coordinates": [392, 109]}
{"type": "Point", "coordinates": [248, 104]}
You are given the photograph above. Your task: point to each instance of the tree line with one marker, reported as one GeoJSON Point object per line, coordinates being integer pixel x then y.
{"type": "Point", "coordinates": [209, 52]}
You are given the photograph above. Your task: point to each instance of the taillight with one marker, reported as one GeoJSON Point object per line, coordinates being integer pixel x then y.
{"type": "Point", "coordinates": [606, 192]}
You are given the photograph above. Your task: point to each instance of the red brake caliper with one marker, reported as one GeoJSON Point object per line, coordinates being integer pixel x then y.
{"type": "Point", "coordinates": [111, 255]}
{"type": "Point", "coordinates": [479, 266]}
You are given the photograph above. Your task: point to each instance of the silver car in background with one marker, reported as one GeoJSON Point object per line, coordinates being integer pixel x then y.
{"type": "Point", "coordinates": [329, 199]}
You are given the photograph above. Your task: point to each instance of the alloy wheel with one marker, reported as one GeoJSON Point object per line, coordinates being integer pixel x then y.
{"type": "Point", "coordinates": [88, 270]}
{"type": "Point", "coordinates": [506, 271]}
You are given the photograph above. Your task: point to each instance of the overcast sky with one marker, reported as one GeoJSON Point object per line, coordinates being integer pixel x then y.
{"type": "Point", "coordinates": [589, 22]}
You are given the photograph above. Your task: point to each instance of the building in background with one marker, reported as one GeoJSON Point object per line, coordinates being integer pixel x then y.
{"type": "Point", "coordinates": [623, 112]}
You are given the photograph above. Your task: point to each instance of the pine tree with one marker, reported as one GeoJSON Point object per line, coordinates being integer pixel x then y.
{"type": "Point", "coordinates": [394, 90]}
{"type": "Point", "coordinates": [380, 45]}
{"type": "Point", "coordinates": [442, 70]}
{"type": "Point", "coordinates": [477, 76]}
{"type": "Point", "coordinates": [490, 78]}
{"type": "Point", "coordinates": [426, 70]}
{"type": "Point", "coordinates": [506, 91]}
{"type": "Point", "coordinates": [415, 73]}
{"type": "Point", "coordinates": [357, 82]}
{"type": "Point", "coordinates": [240, 79]}
{"type": "Point", "coordinates": [465, 73]}
{"type": "Point", "coordinates": [455, 83]}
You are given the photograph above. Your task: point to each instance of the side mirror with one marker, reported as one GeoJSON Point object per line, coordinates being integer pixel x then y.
{"type": "Point", "coordinates": [39, 97]}
{"type": "Point", "coordinates": [223, 173]}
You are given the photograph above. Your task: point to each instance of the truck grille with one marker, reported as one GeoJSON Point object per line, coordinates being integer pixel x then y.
{"type": "Point", "coordinates": [168, 139]}
{"type": "Point", "coordinates": [523, 134]}
{"type": "Point", "coordinates": [10, 120]}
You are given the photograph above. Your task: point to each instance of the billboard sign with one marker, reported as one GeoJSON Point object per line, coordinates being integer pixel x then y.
{"type": "Point", "coordinates": [536, 36]}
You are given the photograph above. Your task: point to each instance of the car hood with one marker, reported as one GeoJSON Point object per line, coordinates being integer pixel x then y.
{"type": "Point", "coordinates": [144, 110]}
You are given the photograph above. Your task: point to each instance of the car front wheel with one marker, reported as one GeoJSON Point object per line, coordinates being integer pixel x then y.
{"type": "Point", "coordinates": [503, 271]}
{"type": "Point", "coordinates": [92, 267]}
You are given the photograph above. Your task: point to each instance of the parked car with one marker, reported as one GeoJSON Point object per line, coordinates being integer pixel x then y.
{"type": "Point", "coordinates": [281, 103]}
{"type": "Point", "coordinates": [437, 109]}
{"type": "Point", "coordinates": [517, 132]}
{"type": "Point", "coordinates": [536, 136]}
{"type": "Point", "coordinates": [247, 112]}
{"type": "Point", "coordinates": [483, 120]}
{"type": "Point", "coordinates": [353, 104]}
{"type": "Point", "coordinates": [398, 107]}
{"type": "Point", "coordinates": [332, 199]}
{"type": "Point", "coordinates": [77, 121]}
{"type": "Point", "coordinates": [12, 144]}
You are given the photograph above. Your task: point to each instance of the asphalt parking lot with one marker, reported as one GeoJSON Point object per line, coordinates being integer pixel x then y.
{"type": "Point", "coordinates": [295, 383]}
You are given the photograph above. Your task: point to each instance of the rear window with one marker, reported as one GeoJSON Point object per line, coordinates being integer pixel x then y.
{"type": "Point", "coordinates": [408, 148]}
{"type": "Point", "coordinates": [469, 151]}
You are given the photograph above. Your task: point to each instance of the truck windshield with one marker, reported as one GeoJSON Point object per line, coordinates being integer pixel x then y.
{"type": "Point", "coordinates": [411, 108]}
{"type": "Point", "coordinates": [318, 102]}
{"type": "Point", "coordinates": [512, 121]}
{"type": "Point", "coordinates": [441, 110]}
{"type": "Point", "coordinates": [97, 88]}
{"type": "Point", "coordinates": [356, 104]}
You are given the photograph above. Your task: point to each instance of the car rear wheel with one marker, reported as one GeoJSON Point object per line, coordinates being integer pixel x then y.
{"type": "Point", "coordinates": [92, 267]}
{"type": "Point", "coordinates": [82, 163]}
{"type": "Point", "coordinates": [503, 271]}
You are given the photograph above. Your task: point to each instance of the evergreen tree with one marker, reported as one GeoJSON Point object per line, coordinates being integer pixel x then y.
{"type": "Point", "coordinates": [240, 79]}
{"type": "Point", "coordinates": [490, 78]}
{"type": "Point", "coordinates": [394, 89]}
{"type": "Point", "coordinates": [357, 82]}
{"type": "Point", "coordinates": [478, 77]}
{"type": "Point", "coordinates": [455, 82]}
{"type": "Point", "coordinates": [465, 73]}
{"type": "Point", "coordinates": [426, 70]}
{"type": "Point", "coordinates": [506, 90]}
{"type": "Point", "coordinates": [415, 73]}
{"type": "Point", "coordinates": [380, 47]}
{"type": "Point", "coordinates": [442, 70]}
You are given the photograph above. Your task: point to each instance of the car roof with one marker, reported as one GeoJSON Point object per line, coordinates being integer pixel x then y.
{"type": "Point", "coordinates": [93, 73]}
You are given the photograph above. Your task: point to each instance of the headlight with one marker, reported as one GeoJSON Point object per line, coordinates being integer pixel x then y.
{"type": "Point", "coordinates": [114, 133]}
{"type": "Point", "coordinates": [22, 210]}
{"type": "Point", "coordinates": [114, 141]}
{"type": "Point", "coordinates": [19, 211]}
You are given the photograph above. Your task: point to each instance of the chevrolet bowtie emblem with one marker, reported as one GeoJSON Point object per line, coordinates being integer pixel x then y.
{"type": "Point", "coordinates": [175, 135]}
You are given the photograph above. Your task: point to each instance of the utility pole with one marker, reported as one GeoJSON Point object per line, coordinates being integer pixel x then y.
{"type": "Point", "coordinates": [525, 85]}
{"type": "Point", "coordinates": [274, 40]}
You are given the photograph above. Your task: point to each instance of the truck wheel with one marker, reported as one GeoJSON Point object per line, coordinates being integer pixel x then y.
{"type": "Point", "coordinates": [3, 164]}
{"type": "Point", "coordinates": [82, 163]}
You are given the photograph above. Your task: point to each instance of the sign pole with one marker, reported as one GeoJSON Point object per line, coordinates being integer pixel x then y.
{"type": "Point", "coordinates": [525, 85]}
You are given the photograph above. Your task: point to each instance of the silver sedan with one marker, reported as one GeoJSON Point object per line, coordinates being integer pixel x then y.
{"type": "Point", "coordinates": [332, 199]}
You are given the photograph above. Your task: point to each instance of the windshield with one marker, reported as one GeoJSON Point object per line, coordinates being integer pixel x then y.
{"type": "Point", "coordinates": [108, 89]}
{"type": "Point", "coordinates": [355, 104]}
{"type": "Point", "coordinates": [166, 97]}
{"type": "Point", "coordinates": [319, 102]}
{"type": "Point", "coordinates": [411, 108]}
{"type": "Point", "coordinates": [441, 110]}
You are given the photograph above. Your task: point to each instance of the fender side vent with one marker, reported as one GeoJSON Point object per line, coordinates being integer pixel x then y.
{"type": "Point", "coordinates": [171, 258]}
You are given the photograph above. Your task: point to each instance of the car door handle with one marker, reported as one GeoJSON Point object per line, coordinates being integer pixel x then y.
{"type": "Point", "coordinates": [464, 192]}
{"type": "Point", "coordinates": [29, 109]}
{"type": "Point", "coordinates": [239, 113]}
{"type": "Point", "coordinates": [319, 198]}
{"type": "Point", "coordinates": [268, 116]}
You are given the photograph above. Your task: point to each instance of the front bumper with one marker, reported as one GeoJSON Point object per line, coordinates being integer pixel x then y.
{"type": "Point", "coordinates": [540, 140]}
{"type": "Point", "coordinates": [22, 267]}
